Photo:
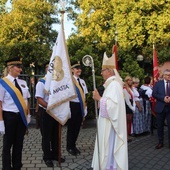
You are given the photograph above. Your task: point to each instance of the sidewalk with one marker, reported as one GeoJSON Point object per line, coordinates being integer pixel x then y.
{"type": "Point", "coordinates": [142, 155]}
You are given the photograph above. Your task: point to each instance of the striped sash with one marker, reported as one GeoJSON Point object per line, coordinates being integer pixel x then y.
{"type": "Point", "coordinates": [42, 80]}
{"type": "Point", "coordinates": [80, 95]}
{"type": "Point", "coordinates": [17, 98]}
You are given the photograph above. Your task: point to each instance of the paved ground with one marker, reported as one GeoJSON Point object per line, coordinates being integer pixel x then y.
{"type": "Point", "coordinates": [142, 155]}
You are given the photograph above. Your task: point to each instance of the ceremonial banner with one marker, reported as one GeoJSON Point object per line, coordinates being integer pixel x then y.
{"type": "Point", "coordinates": [155, 66]}
{"type": "Point", "coordinates": [114, 52]}
{"type": "Point", "coordinates": [155, 77]}
{"type": "Point", "coordinates": [59, 82]}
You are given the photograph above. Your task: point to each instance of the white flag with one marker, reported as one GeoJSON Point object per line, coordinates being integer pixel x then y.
{"type": "Point", "coordinates": [59, 82]}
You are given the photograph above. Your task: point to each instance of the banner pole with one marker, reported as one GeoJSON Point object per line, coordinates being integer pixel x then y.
{"type": "Point", "coordinates": [62, 11]}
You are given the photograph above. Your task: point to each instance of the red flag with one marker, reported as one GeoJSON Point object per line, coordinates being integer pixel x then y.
{"type": "Point", "coordinates": [114, 51]}
{"type": "Point", "coordinates": [155, 66]}
{"type": "Point", "coordinates": [155, 76]}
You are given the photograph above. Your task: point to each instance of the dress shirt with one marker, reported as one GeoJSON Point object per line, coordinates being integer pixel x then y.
{"type": "Point", "coordinates": [40, 92]}
{"type": "Point", "coordinates": [165, 83]}
{"type": "Point", "coordinates": [83, 84]}
{"type": "Point", "coordinates": [7, 102]}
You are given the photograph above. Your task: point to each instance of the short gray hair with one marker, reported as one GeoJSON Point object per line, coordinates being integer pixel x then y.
{"type": "Point", "coordinates": [166, 70]}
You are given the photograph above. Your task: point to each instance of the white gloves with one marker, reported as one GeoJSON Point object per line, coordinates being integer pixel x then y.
{"type": "Point", "coordinates": [85, 111]}
{"type": "Point", "coordinates": [2, 127]}
{"type": "Point", "coordinates": [28, 118]}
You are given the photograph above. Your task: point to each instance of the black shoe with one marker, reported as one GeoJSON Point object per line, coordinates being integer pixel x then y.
{"type": "Point", "coordinates": [49, 163]}
{"type": "Point", "coordinates": [159, 146]}
{"type": "Point", "coordinates": [61, 159]}
{"type": "Point", "coordinates": [18, 167]}
{"type": "Point", "coordinates": [72, 152]}
{"type": "Point", "coordinates": [77, 151]}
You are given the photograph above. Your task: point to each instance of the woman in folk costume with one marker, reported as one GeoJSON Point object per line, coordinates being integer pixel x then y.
{"type": "Point", "coordinates": [146, 94]}
{"type": "Point", "coordinates": [14, 114]}
{"type": "Point", "coordinates": [130, 104]}
{"type": "Point", "coordinates": [110, 151]}
{"type": "Point", "coordinates": [138, 127]}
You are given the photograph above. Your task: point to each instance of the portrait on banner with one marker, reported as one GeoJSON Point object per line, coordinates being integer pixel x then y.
{"type": "Point", "coordinates": [58, 72]}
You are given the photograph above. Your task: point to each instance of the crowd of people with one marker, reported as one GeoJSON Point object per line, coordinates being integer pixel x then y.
{"type": "Point", "coordinates": [138, 105]}
{"type": "Point", "coordinates": [15, 116]}
{"type": "Point", "coordinates": [125, 109]}
{"type": "Point", "coordinates": [141, 102]}
{"type": "Point", "coordinates": [49, 127]}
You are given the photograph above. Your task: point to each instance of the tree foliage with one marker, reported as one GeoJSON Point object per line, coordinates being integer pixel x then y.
{"type": "Point", "coordinates": [139, 24]}
{"type": "Point", "coordinates": [26, 31]}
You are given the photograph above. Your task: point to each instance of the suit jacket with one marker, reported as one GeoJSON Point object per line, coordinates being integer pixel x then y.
{"type": "Point", "coordinates": [159, 94]}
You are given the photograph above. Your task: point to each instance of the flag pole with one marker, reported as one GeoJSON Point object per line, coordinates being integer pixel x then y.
{"type": "Point", "coordinates": [88, 61]}
{"type": "Point", "coordinates": [116, 35]}
{"type": "Point", "coordinates": [152, 99]}
{"type": "Point", "coordinates": [62, 11]}
{"type": "Point", "coordinates": [153, 63]}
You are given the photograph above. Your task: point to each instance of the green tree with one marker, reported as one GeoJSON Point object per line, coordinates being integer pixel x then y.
{"type": "Point", "coordinates": [26, 31]}
{"type": "Point", "coordinates": [139, 23]}
{"type": "Point", "coordinates": [78, 48]}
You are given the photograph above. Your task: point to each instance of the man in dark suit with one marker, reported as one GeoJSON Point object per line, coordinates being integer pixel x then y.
{"type": "Point", "coordinates": [161, 92]}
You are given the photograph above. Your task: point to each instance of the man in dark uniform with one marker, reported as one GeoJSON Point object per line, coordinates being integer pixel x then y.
{"type": "Point", "coordinates": [78, 110]}
{"type": "Point", "coordinates": [48, 126]}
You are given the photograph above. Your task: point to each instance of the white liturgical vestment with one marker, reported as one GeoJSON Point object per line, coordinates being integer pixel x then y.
{"type": "Point", "coordinates": [112, 133]}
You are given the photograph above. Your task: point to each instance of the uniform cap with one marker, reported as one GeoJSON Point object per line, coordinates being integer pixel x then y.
{"type": "Point", "coordinates": [76, 64]}
{"type": "Point", "coordinates": [14, 61]}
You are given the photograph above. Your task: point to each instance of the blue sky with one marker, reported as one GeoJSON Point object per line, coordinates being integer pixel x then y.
{"type": "Point", "coordinates": [68, 25]}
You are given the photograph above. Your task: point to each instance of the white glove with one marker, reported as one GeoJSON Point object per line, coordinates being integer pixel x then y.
{"type": "Point", "coordinates": [85, 111]}
{"type": "Point", "coordinates": [28, 118]}
{"type": "Point", "coordinates": [2, 127]}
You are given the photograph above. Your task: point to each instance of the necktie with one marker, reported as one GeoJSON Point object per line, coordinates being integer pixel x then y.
{"type": "Point", "coordinates": [167, 88]}
{"type": "Point", "coordinates": [17, 85]}
{"type": "Point", "coordinates": [80, 84]}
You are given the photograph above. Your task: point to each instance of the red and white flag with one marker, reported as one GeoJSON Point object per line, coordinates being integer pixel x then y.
{"type": "Point", "coordinates": [155, 77]}
{"type": "Point", "coordinates": [155, 66]}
